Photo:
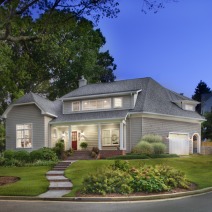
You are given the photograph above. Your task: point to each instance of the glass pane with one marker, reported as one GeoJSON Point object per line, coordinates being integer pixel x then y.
{"type": "Point", "coordinates": [115, 136]}
{"type": "Point", "coordinates": [117, 102]}
{"type": "Point", "coordinates": [93, 104]}
{"type": "Point", "coordinates": [106, 138]}
{"type": "Point", "coordinates": [99, 104]}
{"type": "Point", "coordinates": [19, 127]}
{"type": "Point", "coordinates": [107, 103]}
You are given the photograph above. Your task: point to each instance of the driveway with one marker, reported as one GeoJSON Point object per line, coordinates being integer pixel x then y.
{"type": "Point", "coordinates": [200, 203]}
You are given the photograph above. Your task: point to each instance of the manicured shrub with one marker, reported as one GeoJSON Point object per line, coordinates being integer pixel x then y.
{"type": "Point", "coordinates": [108, 181]}
{"type": "Point", "coordinates": [143, 147]}
{"type": "Point", "coordinates": [43, 154]}
{"type": "Point", "coordinates": [159, 148]}
{"type": "Point", "coordinates": [84, 145]}
{"type": "Point", "coordinates": [9, 154]}
{"type": "Point", "coordinates": [36, 155]}
{"type": "Point", "coordinates": [152, 138]}
{"type": "Point", "coordinates": [13, 162]}
{"type": "Point", "coordinates": [121, 178]}
{"type": "Point", "coordinates": [59, 149]}
{"type": "Point", "coordinates": [22, 155]}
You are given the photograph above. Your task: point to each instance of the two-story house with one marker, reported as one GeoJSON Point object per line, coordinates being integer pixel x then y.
{"type": "Point", "coordinates": [111, 116]}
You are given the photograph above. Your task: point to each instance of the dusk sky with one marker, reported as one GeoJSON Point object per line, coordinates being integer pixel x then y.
{"type": "Point", "coordinates": [174, 46]}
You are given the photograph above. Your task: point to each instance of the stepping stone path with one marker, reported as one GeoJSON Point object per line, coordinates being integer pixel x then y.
{"type": "Point", "coordinates": [59, 185]}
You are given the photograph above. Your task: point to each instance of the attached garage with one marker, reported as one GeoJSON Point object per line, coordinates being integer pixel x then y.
{"type": "Point", "coordinates": [179, 143]}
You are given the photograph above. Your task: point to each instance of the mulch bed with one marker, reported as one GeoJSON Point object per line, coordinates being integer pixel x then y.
{"type": "Point", "coordinates": [8, 179]}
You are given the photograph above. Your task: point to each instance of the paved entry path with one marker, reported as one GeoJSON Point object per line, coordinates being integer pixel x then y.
{"type": "Point", "coordinates": [59, 185]}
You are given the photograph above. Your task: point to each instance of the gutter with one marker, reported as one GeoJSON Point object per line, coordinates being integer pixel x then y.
{"type": "Point", "coordinates": [165, 115]}
{"type": "Point", "coordinates": [100, 95]}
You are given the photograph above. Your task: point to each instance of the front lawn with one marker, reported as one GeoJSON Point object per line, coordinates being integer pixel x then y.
{"type": "Point", "coordinates": [198, 169]}
{"type": "Point", "coordinates": [32, 181]}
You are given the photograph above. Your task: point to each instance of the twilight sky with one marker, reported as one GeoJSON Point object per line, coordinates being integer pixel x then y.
{"type": "Point", "coordinates": [174, 46]}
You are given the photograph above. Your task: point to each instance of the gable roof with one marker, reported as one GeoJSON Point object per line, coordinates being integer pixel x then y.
{"type": "Point", "coordinates": [46, 106]}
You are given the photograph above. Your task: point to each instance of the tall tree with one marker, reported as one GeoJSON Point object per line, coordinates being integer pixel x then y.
{"type": "Point", "coordinates": [53, 66]}
{"type": "Point", "coordinates": [207, 127]}
{"type": "Point", "coordinates": [201, 88]}
{"type": "Point", "coordinates": [13, 14]}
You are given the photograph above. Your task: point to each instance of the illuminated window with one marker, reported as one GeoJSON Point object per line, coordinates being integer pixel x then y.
{"type": "Point", "coordinates": [189, 107]}
{"type": "Point", "coordinates": [75, 106]}
{"type": "Point", "coordinates": [23, 135]}
{"type": "Point", "coordinates": [97, 104]}
{"type": "Point", "coordinates": [110, 137]}
{"type": "Point", "coordinates": [117, 102]}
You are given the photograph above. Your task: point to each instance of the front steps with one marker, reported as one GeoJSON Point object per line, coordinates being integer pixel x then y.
{"type": "Point", "coordinates": [81, 155]}
{"type": "Point", "coordinates": [59, 184]}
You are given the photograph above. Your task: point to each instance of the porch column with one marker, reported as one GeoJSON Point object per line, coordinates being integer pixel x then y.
{"type": "Point", "coordinates": [99, 136]}
{"type": "Point", "coordinates": [121, 136]}
{"type": "Point", "coordinates": [125, 136]}
{"type": "Point", "coordinates": [69, 137]}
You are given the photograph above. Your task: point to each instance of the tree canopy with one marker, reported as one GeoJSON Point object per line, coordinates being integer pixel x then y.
{"type": "Point", "coordinates": [53, 66]}
{"type": "Point", "coordinates": [201, 88]}
{"type": "Point", "coordinates": [13, 15]}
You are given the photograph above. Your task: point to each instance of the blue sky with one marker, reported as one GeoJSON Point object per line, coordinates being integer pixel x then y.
{"type": "Point", "coordinates": [174, 46]}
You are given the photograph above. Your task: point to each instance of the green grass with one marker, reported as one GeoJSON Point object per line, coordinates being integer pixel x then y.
{"type": "Point", "coordinates": [32, 181]}
{"type": "Point", "coordinates": [197, 168]}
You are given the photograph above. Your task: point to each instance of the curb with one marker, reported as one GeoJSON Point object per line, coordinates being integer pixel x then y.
{"type": "Point", "coordinates": [110, 199]}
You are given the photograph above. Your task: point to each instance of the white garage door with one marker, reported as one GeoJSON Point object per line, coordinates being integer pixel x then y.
{"type": "Point", "coordinates": [179, 143]}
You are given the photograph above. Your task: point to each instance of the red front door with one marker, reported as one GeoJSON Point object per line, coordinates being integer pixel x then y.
{"type": "Point", "coordinates": [74, 140]}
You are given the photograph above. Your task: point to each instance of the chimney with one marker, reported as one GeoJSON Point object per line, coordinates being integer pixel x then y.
{"type": "Point", "coordinates": [82, 81]}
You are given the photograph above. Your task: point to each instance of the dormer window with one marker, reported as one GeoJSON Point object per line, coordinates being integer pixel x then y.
{"type": "Point", "coordinates": [189, 107]}
{"type": "Point", "coordinates": [97, 104]}
{"type": "Point", "coordinates": [75, 106]}
{"type": "Point", "coordinates": [117, 102]}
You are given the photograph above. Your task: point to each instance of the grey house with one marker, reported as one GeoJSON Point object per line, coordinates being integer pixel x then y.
{"type": "Point", "coordinates": [111, 116]}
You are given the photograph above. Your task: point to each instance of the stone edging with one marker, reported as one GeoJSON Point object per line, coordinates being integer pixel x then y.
{"type": "Point", "coordinates": [112, 199]}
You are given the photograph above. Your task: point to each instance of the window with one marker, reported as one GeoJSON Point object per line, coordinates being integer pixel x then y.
{"type": "Point", "coordinates": [117, 102]}
{"type": "Point", "coordinates": [189, 107]}
{"type": "Point", "coordinates": [75, 106]}
{"type": "Point", "coordinates": [110, 137]}
{"type": "Point", "coordinates": [96, 104]}
{"type": "Point", "coordinates": [23, 135]}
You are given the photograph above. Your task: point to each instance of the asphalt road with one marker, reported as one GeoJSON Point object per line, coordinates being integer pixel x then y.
{"type": "Point", "coordinates": [200, 203]}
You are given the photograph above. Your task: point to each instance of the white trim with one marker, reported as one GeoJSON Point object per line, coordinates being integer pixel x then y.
{"type": "Point", "coordinates": [99, 136]}
{"type": "Point", "coordinates": [28, 103]}
{"type": "Point", "coordinates": [24, 138]}
{"type": "Point", "coordinates": [91, 120]}
{"type": "Point", "coordinates": [121, 98]}
{"type": "Point", "coordinates": [121, 139]}
{"type": "Point", "coordinates": [101, 95]}
{"type": "Point", "coordinates": [72, 104]}
{"type": "Point", "coordinates": [165, 116]}
{"type": "Point", "coordinates": [198, 142]}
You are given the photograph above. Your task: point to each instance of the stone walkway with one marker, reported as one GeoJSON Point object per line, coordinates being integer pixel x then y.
{"type": "Point", "coordinates": [59, 185]}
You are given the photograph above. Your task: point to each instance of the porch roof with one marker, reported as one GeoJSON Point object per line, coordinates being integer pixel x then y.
{"type": "Point", "coordinates": [106, 115]}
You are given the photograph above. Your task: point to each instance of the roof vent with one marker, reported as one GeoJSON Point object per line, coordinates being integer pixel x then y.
{"type": "Point", "coordinates": [181, 94]}
{"type": "Point", "coordinates": [82, 81]}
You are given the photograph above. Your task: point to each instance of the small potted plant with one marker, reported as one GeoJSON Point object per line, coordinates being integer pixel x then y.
{"type": "Point", "coordinates": [84, 145]}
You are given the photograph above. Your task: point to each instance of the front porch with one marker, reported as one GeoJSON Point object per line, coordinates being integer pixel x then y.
{"type": "Point", "coordinates": [110, 138]}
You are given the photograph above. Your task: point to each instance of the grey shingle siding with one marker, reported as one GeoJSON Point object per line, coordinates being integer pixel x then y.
{"type": "Point", "coordinates": [138, 127]}
{"type": "Point", "coordinates": [22, 115]}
